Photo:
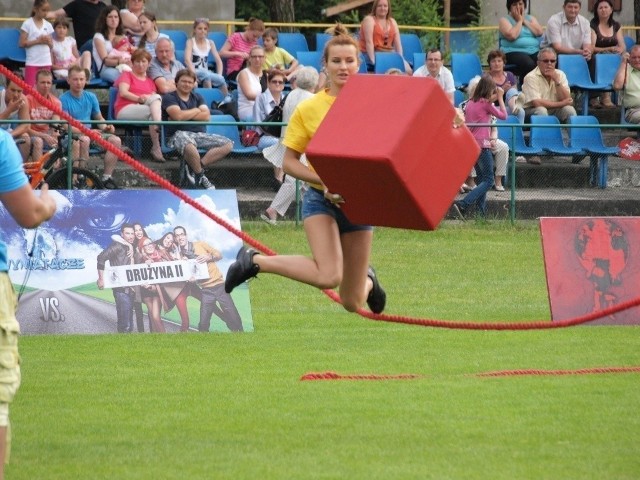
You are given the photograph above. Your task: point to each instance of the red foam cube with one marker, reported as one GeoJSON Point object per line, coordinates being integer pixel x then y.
{"type": "Point", "coordinates": [388, 146]}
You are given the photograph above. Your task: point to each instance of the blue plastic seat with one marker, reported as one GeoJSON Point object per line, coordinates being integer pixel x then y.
{"type": "Point", "coordinates": [310, 59]}
{"type": "Point", "coordinates": [179, 39]}
{"type": "Point", "coordinates": [577, 71]}
{"type": "Point", "coordinates": [210, 95]}
{"type": "Point", "coordinates": [293, 43]}
{"type": "Point", "coordinates": [590, 140]}
{"type": "Point", "coordinates": [458, 97]}
{"type": "Point", "coordinates": [411, 44]}
{"type": "Point", "coordinates": [550, 138]}
{"type": "Point", "coordinates": [464, 66]}
{"type": "Point", "coordinates": [418, 60]}
{"type": "Point", "coordinates": [510, 132]}
{"type": "Point", "coordinates": [225, 125]}
{"type": "Point", "coordinates": [321, 39]}
{"type": "Point", "coordinates": [387, 60]}
{"type": "Point", "coordinates": [629, 42]}
{"type": "Point", "coordinates": [218, 38]}
{"type": "Point", "coordinates": [10, 50]}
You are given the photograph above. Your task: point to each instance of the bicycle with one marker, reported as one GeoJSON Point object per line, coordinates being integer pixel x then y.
{"type": "Point", "coordinates": [51, 168]}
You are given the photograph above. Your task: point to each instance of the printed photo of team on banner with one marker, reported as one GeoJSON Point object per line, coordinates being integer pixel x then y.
{"type": "Point", "coordinates": [108, 262]}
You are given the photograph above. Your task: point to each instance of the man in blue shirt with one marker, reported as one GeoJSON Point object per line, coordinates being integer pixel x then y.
{"type": "Point", "coordinates": [84, 106]}
{"type": "Point", "coordinates": [29, 211]}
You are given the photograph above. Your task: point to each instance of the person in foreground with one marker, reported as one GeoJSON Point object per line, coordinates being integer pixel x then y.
{"type": "Point", "coordinates": [29, 211]}
{"type": "Point", "coordinates": [340, 250]}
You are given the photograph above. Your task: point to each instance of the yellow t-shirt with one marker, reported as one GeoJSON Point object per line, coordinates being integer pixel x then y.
{"type": "Point", "coordinates": [278, 57]}
{"type": "Point", "coordinates": [304, 122]}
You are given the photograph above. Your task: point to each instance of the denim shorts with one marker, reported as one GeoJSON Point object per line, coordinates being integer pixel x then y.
{"type": "Point", "coordinates": [314, 203]}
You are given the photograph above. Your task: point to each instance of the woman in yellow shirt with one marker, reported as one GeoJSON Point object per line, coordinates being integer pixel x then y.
{"type": "Point", "coordinates": [340, 250]}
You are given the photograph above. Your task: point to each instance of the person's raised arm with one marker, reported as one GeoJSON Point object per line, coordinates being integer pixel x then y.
{"type": "Point", "coordinates": [619, 79]}
{"type": "Point", "coordinates": [367, 30]}
{"type": "Point", "coordinates": [216, 57]}
{"type": "Point", "coordinates": [532, 24]}
{"type": "Point", "coordinates": [26, 208]}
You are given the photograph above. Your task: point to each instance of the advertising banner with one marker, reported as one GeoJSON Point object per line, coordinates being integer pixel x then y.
{"type": "Point", "coordinates": [127, 261]}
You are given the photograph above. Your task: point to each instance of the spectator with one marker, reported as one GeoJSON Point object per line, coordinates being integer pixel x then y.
{"type": "Point", "coordinates": [237, 47]}
{"type": "Point", "coordinates": [379, 33]}
{"type": "Point", "coordinates": [150, 33]}
{"type": "Point", "coordinates": [606, 37]}
{"type": "Point", "coordinates": [434, 68]}
{"type": "Point", "coordinates": [183, 105]}
{"type": "Point", "coordinates": [251, 83]}
{"type": "Point", "coordinates": [304, 84]}
{"type": "Point", "coordinates": [266, 102]}
{"type": "Point", "coordinates": [130, 19]}
{"type": "Point", "coordinates": [514, 100]}
{"type": "Point", "coordinates": [15, 106]}
{"type": "Point", "coordinates": [122, 49]}
{"type": "Point", "coordinates": [84, 14]}
{"type": "Point", "coordinates": [568, 32]}
{"type": "Point", "coordinates": [276, 57]}
{"type": "Point", "coordinates": [83, 106]}
{"type": "Point", "coordinates": [42, 134]}
{"type": "Point", "coordinates": [196, 57]}
{"type": "Point", "coordinates": [214, 299]}
{"type": "Point", "coordinates": [108, 26]}
{"type": "Point", "coordinates": [627, 79]}
{"type": "Point", "coordinates": [35, 38]}
{"type": "Point", "coordinates": [164, 67]}
{"type": "Point", "coordinates": [547, 90]}
{"type": "Point", "coordinates": [138, 99]}
{"type": "Point", "coordinates": [64, 50]}
{"type": "Point", "coordinates": [518, 37]}
{"type": "Point", "coordinates": [29, 211]}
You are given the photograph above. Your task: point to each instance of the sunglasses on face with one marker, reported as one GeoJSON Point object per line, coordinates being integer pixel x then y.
{"type": "Point", "coordinates": [547, 61]}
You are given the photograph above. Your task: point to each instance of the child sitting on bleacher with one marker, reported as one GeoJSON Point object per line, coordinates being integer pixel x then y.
{"type": "Point", "coordinates": [122, 49]}
{"type": "Point", "coordinates": [276, 57]}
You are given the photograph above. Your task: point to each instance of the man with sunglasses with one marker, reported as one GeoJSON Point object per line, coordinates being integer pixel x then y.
{"type": "Point", "coordinates": [547, 89]}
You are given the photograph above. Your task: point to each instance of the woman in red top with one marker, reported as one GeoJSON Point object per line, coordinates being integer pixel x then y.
{"type": "Point", "coordinates": [379, 33]}
{"type": "Point", "coordinates": [138, 98]}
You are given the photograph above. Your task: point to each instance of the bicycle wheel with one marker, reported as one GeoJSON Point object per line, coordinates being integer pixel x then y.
{"type": "Point", "coordinates": [83, 179]}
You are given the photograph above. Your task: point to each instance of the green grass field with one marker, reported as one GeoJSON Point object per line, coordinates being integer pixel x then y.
{"type": "Point", "coordinates": [232, 406]}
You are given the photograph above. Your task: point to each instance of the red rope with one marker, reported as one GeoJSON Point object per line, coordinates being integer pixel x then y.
{"type": "Point", "coordinates": [425, 322]}
{"type": "Point", "coordinates": [338, 376]}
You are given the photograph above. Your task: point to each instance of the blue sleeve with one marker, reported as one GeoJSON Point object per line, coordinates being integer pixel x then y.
{"type": "Point", "coordinates": [95, 106]}
{"type": "Point", "coordinates": [12, 176]}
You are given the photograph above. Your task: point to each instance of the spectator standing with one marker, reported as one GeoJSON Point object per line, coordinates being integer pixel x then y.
{"type": "Point", "coordinates": [183, 105]}
{"type": "Point", "coordinates": [275, 57]}
{"type": "Point", "coordinates": [547, 89]}
{"type": "Point", "coordinates": [84, 14]}
{"type": "Point", "coordinates": [108, 26]}
{"type": "Point", "coordinates": [568, 32]}
{"type": "Point", "coordinates": [519, 37]}
{"type": "Point", "coordinates": [15, 106]}
{"type": "Point", "coordinates": [83, 106]}
{"type": "Point", "coordinates": [606, 38]}
{"type": "Point", "coordinates": [64, 50]}
{"type": "Point", "coordinates": [35, 38]}
{"type": "Point", "coordinates": [379, 33]}
{"type": "Point", "coordinates": [164, 67]}
{"type": "Point", "coordinates": [304, 84]}
{"type": "Point", "coordinates": [434, 68]}
{"type": "Point", "coordinates": [29, 211]}
{"type": "Point", "coordinates": [627, 80]}
{"type": "Point", "coordinates": [42, 134]}
{"type": "Point", "coordinates": [238, 45]}
{"type": "Point", "coordinates": [150, 32]}
{"type": "Point", "coordinates": [138, 99]}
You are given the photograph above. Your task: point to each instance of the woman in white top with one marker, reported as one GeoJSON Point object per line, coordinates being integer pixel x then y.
{"type": "Point", "coordinates": [35, 38]}
{"type": "Point", "coordinates": [108, 26]}
{"type": "Point", "coordinates": [250, 84]}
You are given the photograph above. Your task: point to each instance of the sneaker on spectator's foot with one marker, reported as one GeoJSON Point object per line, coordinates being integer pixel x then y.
{"type": "Point", "coordinates": [110, 184]}
{"type": "Point", "coordinates": [242, 269]}
{"type": "Point", "coordinates": [521, 159]}
{"type": "Point", "coordinates": [188, 178]}
{"type": "Point", "coordinates": [203, 182]}
{"type": "Point", "coordinates": [521, 99]}
{"type": "Point", "coordinates": [377, 297]}
{"type": "Point", "coordinates": [225, 100]}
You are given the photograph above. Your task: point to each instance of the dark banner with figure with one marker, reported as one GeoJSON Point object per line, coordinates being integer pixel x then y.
{"type": "Point", "coordinates": [127, 261]}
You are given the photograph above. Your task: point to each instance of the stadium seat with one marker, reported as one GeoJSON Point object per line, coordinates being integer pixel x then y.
{"type": "Point", "coordinates": [310, 59]}
{"type": "Point", "coordinates": [210, 95]}
{"type": "Point", "coordinates": [589, 139]}
{"type": "Point", "coordinates": [387, 60]}
{"type": "Point", "coordinates": [458, 98]}
{"type": "Point", "coordinates": [293, 42]}
{"type": "Point", "coordinates": [411, 44]}
{"type": "Point", "coordinates": [218, 38]}
{"type": "Point", "coordinates": [225, 126]}
{"type": "Point", "coordinates": [550, 138]}
{"type": "Point", "coordinates": [10, 51]}
{"type": "Point", "coordinates": [464, 66]}
{"type": "Point", "coordinates": [321, 39]}
{"type": "Point", "coordinates": [577, 71]}
{"type": "Point", "coordinates": [606, 68]}
{"type": "Point", "coordinates": [629, 42]}
{"type": "Point", "coordinates": [179, 39]}
{"type": "Point", "coordinates": [510, 132]}
{"type": "Point", "coordinates": [418, 60]}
